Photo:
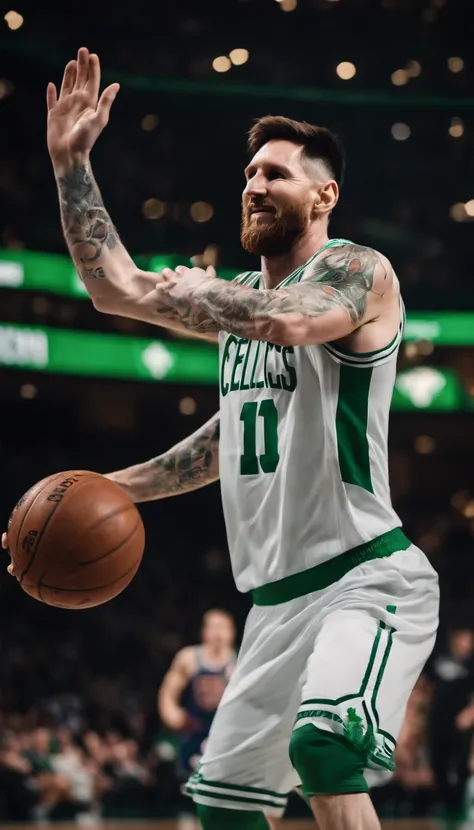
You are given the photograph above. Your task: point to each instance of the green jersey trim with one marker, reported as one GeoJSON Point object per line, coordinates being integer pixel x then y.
{"type": "Point", "coordinates": [246, 277]}
{"type": "Point", "coordinates": [326, 573]}
{"type": "Point", "coordinates": [368, 358]}
{"type": "Point", "coordinates": [351, 426]}
{"type": "Point", "coordinates": [367, 355]}
{"type": "Point", "coordinates": [295, 276]}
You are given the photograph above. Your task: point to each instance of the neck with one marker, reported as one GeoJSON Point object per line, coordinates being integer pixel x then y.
{"type": "Point", "coordinates": [275, 269]}
{"type": "Point", "coordinates": [216, 652]}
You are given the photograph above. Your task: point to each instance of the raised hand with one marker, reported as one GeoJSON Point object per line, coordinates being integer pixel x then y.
{"type": "Point", "coordinates": [77, 117]}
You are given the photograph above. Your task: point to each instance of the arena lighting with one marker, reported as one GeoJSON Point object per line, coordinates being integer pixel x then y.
{"type": "Point", "coordinates": [455, 65]}
{"type": "Point", "coordinates": [400, 77]}
{"type": "Point", "coordinates": [469, 510]}
{"type": "Point", "coordinates": [28, 391]}
{"type": "Point", "coordinates": [187, 406]}
{"type": "Point", "coordinates": [400, 131]}
{"type": "Point", "coordinates": [424, 444]}
{"type": "Point", "coordinates": [457, 212]}
{"type": "Point", "coordinates": [5, 88]}
{"type": "Point", "coordinates": [201, 212]}
{"type": "Point", "coordinates": [456, 129]}
{"type": "Point", "coordinates": [413, 69]}
{"type": "Point", "coordinates": [469, 208]}
{"type": "Point", "coordinates": [288, 5]}
{"type": "Point", "coordinates": [14, 20]}
{"type": "Point", "coordinates": [153, 209]}
{"type": "Point", "coordinates": [221, 64]}
{"type": "Point", "coordinates": [460, 499]}
{"type": "Point", "coordinates": [346, 70]}
{"type": "Point", "coordinates": [239, 56]}
{"type": "Point", "coordinates": [425, 347]}
{"type": "Point", "coordinates": [149, 123]}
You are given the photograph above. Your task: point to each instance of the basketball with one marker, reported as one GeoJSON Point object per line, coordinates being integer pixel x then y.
{"type": "Point", "coordinates": [76, 540]}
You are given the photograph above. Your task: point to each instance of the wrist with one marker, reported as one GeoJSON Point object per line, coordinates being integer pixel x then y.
{"type": "Point", "coordinates": [123, 479]}
{"type": "Point", "coordinates": [202, 289]}
{"type": "Point", "coordinates": [63, 165]}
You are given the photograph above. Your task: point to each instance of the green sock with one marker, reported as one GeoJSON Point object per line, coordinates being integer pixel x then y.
{"type": "Point", "coordinates": [218, 818]}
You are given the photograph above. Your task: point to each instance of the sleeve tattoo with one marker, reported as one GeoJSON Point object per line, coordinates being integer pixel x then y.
{"type": "Point", "coordinates": [190, 317]}
{"type": "Point", "coordinates": [191, 464]}
{"type": "Point", "coordinates": [87, 225]}
{"type": "Point", "coordinates": [341, 278]}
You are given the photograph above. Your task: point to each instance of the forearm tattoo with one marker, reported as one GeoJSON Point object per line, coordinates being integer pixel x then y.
{"type": "Point", "coordinates": [189, 316]}
{"type": "Point", "coordinates": [191, 464]}
{"type": "Point", "coordinates": [87, 225]}
{"type": "Point", "coordinates": [341, 278]}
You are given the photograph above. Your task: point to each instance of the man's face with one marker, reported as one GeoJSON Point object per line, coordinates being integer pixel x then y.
{"type": "Point", "coordinates": [462, 643]}
{"type": "Point", "coordinates": [218, 630]}
{"type": "Point", "coordinates": [278, 200]}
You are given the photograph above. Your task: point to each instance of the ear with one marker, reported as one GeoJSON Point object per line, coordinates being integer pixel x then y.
{"type": "Point", "coordinates": [326, 197]}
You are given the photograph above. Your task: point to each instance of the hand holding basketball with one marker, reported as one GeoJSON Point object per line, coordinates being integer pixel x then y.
{"type": "Point", "coordinates": [76, 540]}
{"type": "Point", "coordinates": [5, 547]}
{"type": "Point", "coordinates": [77, 117]}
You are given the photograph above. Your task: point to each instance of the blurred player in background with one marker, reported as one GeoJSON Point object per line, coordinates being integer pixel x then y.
{"type": "Point", "coordinates": [191, 692]}
{"type": "Point", "coordinates": [194, 684]}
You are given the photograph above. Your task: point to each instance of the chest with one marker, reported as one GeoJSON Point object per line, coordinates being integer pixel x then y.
{"type": "Point", "coordinates": [248, 365]}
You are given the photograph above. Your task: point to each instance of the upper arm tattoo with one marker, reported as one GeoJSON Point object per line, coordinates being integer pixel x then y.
{"type": "Point", "coordinates": [87, 225]}
{"type": "Point", "coordinates": [191, 464]}
{"type": "Point", "coordinates": [342, 278]}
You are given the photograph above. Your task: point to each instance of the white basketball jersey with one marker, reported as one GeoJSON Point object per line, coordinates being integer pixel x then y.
{"type": "Point", "coordinates": [303, 449]}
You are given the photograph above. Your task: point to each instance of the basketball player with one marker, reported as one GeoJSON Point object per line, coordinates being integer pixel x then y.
{"type": "Point", "coordinates": [345, 608]}
{"type": "Point", "coordinates": [192, 688]}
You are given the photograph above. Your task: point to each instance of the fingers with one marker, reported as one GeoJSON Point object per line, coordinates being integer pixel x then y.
{"type": "Point", "coordinates": [169, 274]}
{"type": "Point", "coordinates": [93, 83]}
{"type": "Point", "coordinates": [105, 102]}
{"type": "Point", "coordinates": [82, 75]}
{"type": "Point", "coordinates": [69, 79]}
{"type": "Point", "coordinates": [211, 271]}
{"type": "Point", "coordinates": [5, 547]}
{"type": "Point", "coordinates": [51, 96]}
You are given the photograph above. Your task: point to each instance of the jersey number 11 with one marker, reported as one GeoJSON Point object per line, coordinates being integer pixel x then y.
{"type": "Point", "coordinates": [250, 462]}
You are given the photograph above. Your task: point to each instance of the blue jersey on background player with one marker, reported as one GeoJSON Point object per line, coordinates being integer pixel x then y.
{"type": "Point", "coordinates": [193, 687]}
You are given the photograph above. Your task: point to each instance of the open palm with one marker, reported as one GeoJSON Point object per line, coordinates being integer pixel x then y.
{"type": "Point", "coordinates": [77, 117]}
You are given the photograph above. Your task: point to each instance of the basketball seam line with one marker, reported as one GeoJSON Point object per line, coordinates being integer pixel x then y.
{"type": "Point", "coordinates": [117, 547]}
{"type": "Point", "coordinates": [97, 588]}
{"type": "Point", "coordinates": [41, 533]}
{"type": "Point", "coordinates": [17, 506]}
{"type": "Point", "coordinates": [115, 512]}
{"type": "Point", "coordinates": [35, 551]}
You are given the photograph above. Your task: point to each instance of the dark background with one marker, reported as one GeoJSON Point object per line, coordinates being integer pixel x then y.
{"type": "Point", "coordinates": [398, 197]}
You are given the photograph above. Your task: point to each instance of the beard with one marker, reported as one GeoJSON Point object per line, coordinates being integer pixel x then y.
{"type": "Point", "coordinates": [272, 235]}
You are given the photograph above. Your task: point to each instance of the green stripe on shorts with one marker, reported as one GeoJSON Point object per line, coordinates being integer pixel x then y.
{"type": "Point", "coordinates": [325, 574]}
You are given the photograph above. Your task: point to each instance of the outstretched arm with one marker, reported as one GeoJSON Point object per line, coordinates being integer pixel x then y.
{"type": "Point", "coordinates": [343, 291]}
{"type": "Point", "coordinates": [191, 464]}
{"type": "Point", "coordinates": [174, 683]}
{"type": "Point", "coordinates": [75, 120]}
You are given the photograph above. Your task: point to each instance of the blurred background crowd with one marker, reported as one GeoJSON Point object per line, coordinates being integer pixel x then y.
{"type": "Point", "coordinates": [79, 730]}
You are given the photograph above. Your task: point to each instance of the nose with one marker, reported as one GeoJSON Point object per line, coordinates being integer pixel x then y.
{"type": "Point", "coordinates": [256, 186]}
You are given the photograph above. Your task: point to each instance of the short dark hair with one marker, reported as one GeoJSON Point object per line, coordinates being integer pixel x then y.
{"type": "Point", "coordinates": [317, 142]}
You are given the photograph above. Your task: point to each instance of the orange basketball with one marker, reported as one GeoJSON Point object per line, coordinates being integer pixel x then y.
{"type": "Point", "coordinates": [76, 540]}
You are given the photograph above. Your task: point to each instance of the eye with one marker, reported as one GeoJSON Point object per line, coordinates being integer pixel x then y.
{"type": "Point", "coordinates": [275, 174]}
